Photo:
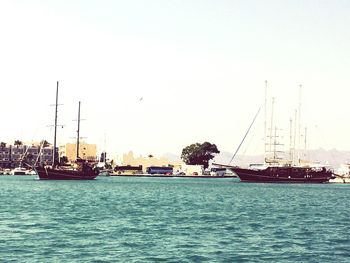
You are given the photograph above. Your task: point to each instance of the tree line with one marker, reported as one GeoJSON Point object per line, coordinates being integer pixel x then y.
{"type": "Point", "coordinates": [194, 154]}
{"type": "Point", "coordinates": [43, 143]}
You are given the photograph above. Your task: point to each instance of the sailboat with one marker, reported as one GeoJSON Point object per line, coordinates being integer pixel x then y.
{"type": "Point", "coordinates": [284, 174]}
{"type": "Point", "coordinates": [82, 169]}
{"type": "Point", "coordinates": [277, 171]}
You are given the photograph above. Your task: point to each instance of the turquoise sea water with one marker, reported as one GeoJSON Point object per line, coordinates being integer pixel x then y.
{"type": "Point", "coordinates": [118, 219]}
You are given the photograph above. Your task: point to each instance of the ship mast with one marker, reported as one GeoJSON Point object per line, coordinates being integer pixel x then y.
{"type": "Point", "coordinates": [295, 133]}
{"type": "Point", "coordinates": [54, 161]}
{"type": "Point", "coordinates": [265, 121]}
{"type": "Point", "coordinates": [305, 143]}
{"type": "Point", "coordinates": [290, 140]}
{"type": "Point", "coordinates": [299, 124]}
{"type": "Point", "coordinates": [271, 127]}
{"type": "Point", "coordinates": [78, 132]}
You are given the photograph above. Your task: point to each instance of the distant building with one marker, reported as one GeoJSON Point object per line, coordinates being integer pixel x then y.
{"type": "Point", "coordinates": [17, 153]}
{"type": "Point", "coordinates": [86, 151]}
{"type": "Point", "coordinates": [5, 157]}
{"type": "Point", "coordinates": [46, 156]}
{"type": "Point", "coordinates": [12, 156]}
{"type": "Point", "coordinates": [129, 159]}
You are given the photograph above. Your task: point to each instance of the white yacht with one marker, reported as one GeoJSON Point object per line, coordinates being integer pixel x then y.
{"type": "Point", "coordinates": [20, 171]}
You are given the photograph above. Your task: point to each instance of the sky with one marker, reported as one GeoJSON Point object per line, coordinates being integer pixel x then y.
{"type": "Point", "coordinates": [156, 76]}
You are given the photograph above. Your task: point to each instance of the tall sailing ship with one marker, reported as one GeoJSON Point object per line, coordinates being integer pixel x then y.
{"type": "Point", "coordinates": [276, 170]}
{"type": "Point", "coordinates": [82, 170]}
{"type": "Point", "coordinates": [284, 174]}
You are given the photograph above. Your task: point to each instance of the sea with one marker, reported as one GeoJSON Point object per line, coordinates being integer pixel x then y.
{"type": "Point", "coordinates": [144, 219]}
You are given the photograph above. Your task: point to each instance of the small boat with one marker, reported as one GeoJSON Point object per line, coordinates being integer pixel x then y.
{"type": "Point", "coordinates": [7, 171]}
{"type": "Point", "coordinates": [82, 170]}
{"type": "Point", "coordinates": [19, 171]}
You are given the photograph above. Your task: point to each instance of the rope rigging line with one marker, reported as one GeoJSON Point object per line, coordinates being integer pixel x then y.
{"type": "Point", "coordinates": [256, 115]}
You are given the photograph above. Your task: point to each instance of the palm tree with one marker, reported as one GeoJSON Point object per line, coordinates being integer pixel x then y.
{"type": "Point", "coordinates": [44, 143]}
{"type": "Point", "coordinates": [3, 145]}
{"type": "Point", "coordinates": [18, 143]}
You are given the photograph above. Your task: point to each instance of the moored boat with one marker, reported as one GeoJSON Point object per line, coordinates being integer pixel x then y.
{"type": "Point", "coordinates": [276, 169]}
{"type": "Point", "coordinates": [19, 171]}
{"type": "Point", "coordinates": [82, 170]}
{"type": "Point", "coordinates": [287, 174]}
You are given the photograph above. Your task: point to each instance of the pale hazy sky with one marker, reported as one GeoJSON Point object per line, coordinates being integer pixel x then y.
{"type": "Point", "coordinates": [200, 67]}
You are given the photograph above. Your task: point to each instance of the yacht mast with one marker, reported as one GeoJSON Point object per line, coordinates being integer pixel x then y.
{"type": "Point", "coordinates": [271, 124]}
{"type": "Point", "coordinates": [305, 142]}
{"type": "Point", "coordinates": [104, 150]}
{"type": "Point", "coordinates": [290, 140]}
{"type": "Point", "coordinates": [265, 122]}
{"type": "Point", "coordinates": [295, 136]}
{"type": "Point", "coordinates": [299, 124]}
{"type": "Point", "coordinates": [78, 132]}
{"type": "Point", "coordinates": [55, 133]}
{"type": "Point", "coordinates": [275, 145]}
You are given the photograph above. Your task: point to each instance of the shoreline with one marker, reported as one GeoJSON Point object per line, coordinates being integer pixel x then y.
{"type": "Point", "coordinates": [171, 176]}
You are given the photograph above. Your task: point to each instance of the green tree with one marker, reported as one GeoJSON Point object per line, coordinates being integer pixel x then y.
{"type": "Point", "coordinates": [3, 145]}
{"type": "Point", "coordinates": [199, 154]}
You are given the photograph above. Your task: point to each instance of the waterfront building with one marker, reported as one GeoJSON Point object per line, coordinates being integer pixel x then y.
{"type": "Point", "coordinates": [5, 156]}
{"type": "Point", "coordinates": [86, 151]}
{"type": "Point", "coordinates": [17, 154]}
{"type": "Point", "coordinates": [13, 156]}
{"type": "Point", "coordinates": [129, 159]}
{"type": "Point", "coordinates": [30, 155]}
{"type": "Point", "coordinates": [46, 156]}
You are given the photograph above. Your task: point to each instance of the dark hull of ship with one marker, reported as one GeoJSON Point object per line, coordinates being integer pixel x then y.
{"type": "Point", "coordinates": [61, 174]}
{"type": "Point", "coordinates": [283, 175]}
